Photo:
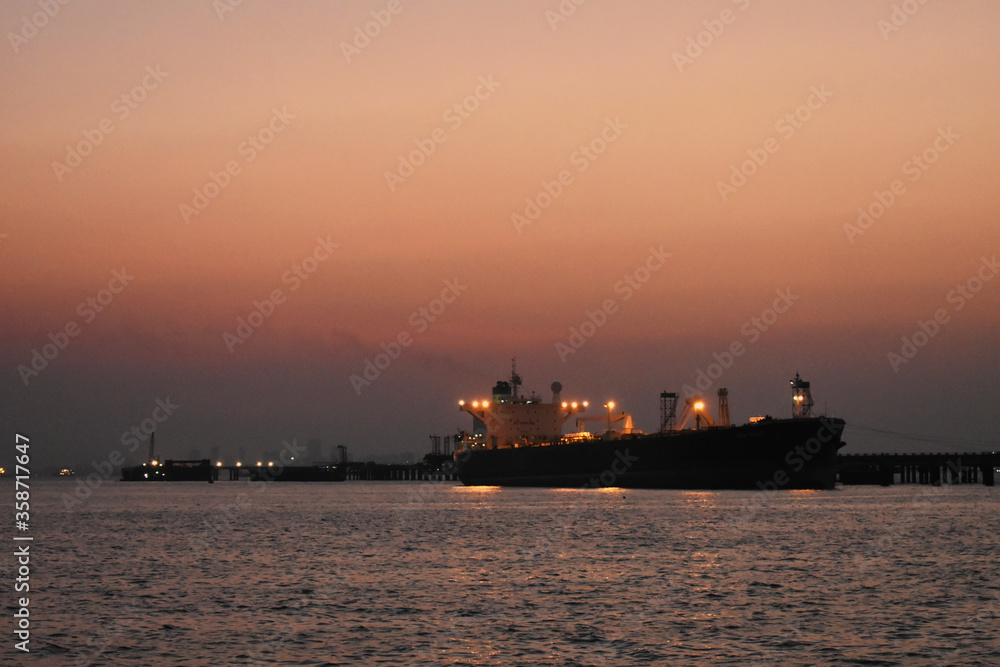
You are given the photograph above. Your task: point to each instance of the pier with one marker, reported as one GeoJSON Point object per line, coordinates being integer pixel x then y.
{"type": "Point", "coordinates": [853, 469]}
{"type": "Point", "coordinates": [936, 469]}
{"type": "Point", "coordinates": [202, 470]}
{"type": "Point", "coordinates": [399, 472]}
{"type": "Point", "coordinates": [316, 473]}
{"type": "Point", "coordinates": [438, 466]}
{"type": "Point", "coordinates": [434, 467]}
{"type": "Point", "coordinates": [350, 470]}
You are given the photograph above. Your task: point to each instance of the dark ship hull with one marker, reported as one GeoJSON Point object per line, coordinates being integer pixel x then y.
{"type": "Point", "coordinates": [770, 454]}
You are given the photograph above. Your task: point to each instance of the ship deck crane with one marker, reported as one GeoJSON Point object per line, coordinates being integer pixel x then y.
{"type": "Point", "coordinates": [694, 407]}
{"type": "Point", "coordinates": [623, 417]}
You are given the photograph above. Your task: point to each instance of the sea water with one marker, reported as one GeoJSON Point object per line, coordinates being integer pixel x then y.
{"type": "Point", "coordinates": [431, 573]}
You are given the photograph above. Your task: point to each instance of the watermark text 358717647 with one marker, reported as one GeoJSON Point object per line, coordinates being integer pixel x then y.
{"type": "Point", "coordinates": [22, 554]}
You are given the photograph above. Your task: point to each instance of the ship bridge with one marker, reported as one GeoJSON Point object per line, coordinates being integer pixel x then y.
{"type": "Point", "coordinates": [510, 420]}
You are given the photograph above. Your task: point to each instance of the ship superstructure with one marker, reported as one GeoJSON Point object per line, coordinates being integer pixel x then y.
{"type": "Point", "coordinates": [511, 420]}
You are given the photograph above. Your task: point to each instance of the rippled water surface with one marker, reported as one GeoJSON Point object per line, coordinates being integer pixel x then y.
{"type": "Point", "coordinates": [428, 573]}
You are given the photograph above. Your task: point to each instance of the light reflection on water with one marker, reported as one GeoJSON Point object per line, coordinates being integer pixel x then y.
{"type": "Point", "coordinates": [404, 573]}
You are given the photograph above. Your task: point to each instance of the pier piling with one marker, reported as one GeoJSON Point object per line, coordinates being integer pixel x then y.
{"type": "Point", "coordinates": [935, 469]}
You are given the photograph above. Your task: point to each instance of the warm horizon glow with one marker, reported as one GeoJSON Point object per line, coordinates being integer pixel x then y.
{"type": "Point", "coordinates": [287, 240]}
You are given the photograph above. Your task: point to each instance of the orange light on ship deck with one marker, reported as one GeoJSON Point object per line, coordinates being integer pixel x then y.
{"type": "Point", "coordinates": [699, 405]}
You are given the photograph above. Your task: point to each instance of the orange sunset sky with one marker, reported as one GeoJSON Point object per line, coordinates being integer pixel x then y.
{"type": "Point", "coordinates": [741, 138]}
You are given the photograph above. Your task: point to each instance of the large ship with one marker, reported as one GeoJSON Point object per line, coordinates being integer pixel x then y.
{"type": "Point", "coordinates": [519, 441]}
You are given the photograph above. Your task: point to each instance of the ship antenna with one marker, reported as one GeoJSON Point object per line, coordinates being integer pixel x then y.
{"type": "Point", "coordinates": [802, 401]}
{"type": "Point", "coordinates": [152, 451]}
{"type": "Point", "coordinates": [515, 379]}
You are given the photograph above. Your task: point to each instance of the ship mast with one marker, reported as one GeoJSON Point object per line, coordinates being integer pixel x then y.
{"type": "Point", "coordinates": [724, 407]}
{"type": "Point", "coordinates": [515, 379]}
{"type": "Point", "coordinates": [668, 411]}
{"type": "Point", "coordinates": [802, 401]}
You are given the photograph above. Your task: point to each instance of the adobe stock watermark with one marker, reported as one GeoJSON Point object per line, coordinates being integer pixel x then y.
{"type": "Point", "coordinates": [559, 527]}
{"type": "Point", "coordinates": [293, 277]}
{"type": "Point", "coordinates": [268, 647]}
{"type": "Point", "coordinates": [128, 616]}
{"type": "Point", "coordinates": [957, 297]}
{"type": "Point", "coordinates": [915, 168]}
{"type": "Point", "coordinates": [796, 459]}
{"type": "Point", "coordinates": [122, 107]}
{"type": "Point", "coordinates": [626, 287]}
{"type": "Point", "coordinates": [420, 320]}
{"type": "Point", "coordinates": [421, 494]}
{"type": "Point", "coordinates": [983, 623]}
{"type": "Point", "coordinates": [133, 438]}
{"type": "Point", "coordinates": [30, 27]}
{"type": "Point", "coordinates": [248, 149]}
{"type": "Point", "coordinates": [364, 34]}
{"type": "Point", "coordinates": [752, 331]}
{"type": "Point", "coordinates": [899, 17]}
{"type": "Point", "coordinates": [226, 515]}
{"type": "Point", "coordinates": [562, 12]}
{"type": "Point", "coordinates": [921, 504]}
{"type": "Point", "coordinates": [581, 158]}
{"type": "Point", "coordinates": [88, 309]}
{"type": "Point", "coordinates": [223, 7]}
{"type": "Point", "coordinates": [454, 116]}
{"type": "Point", "coordinates": [786, 127]}
{"type": "Point", "coordinates": [696, 44]}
